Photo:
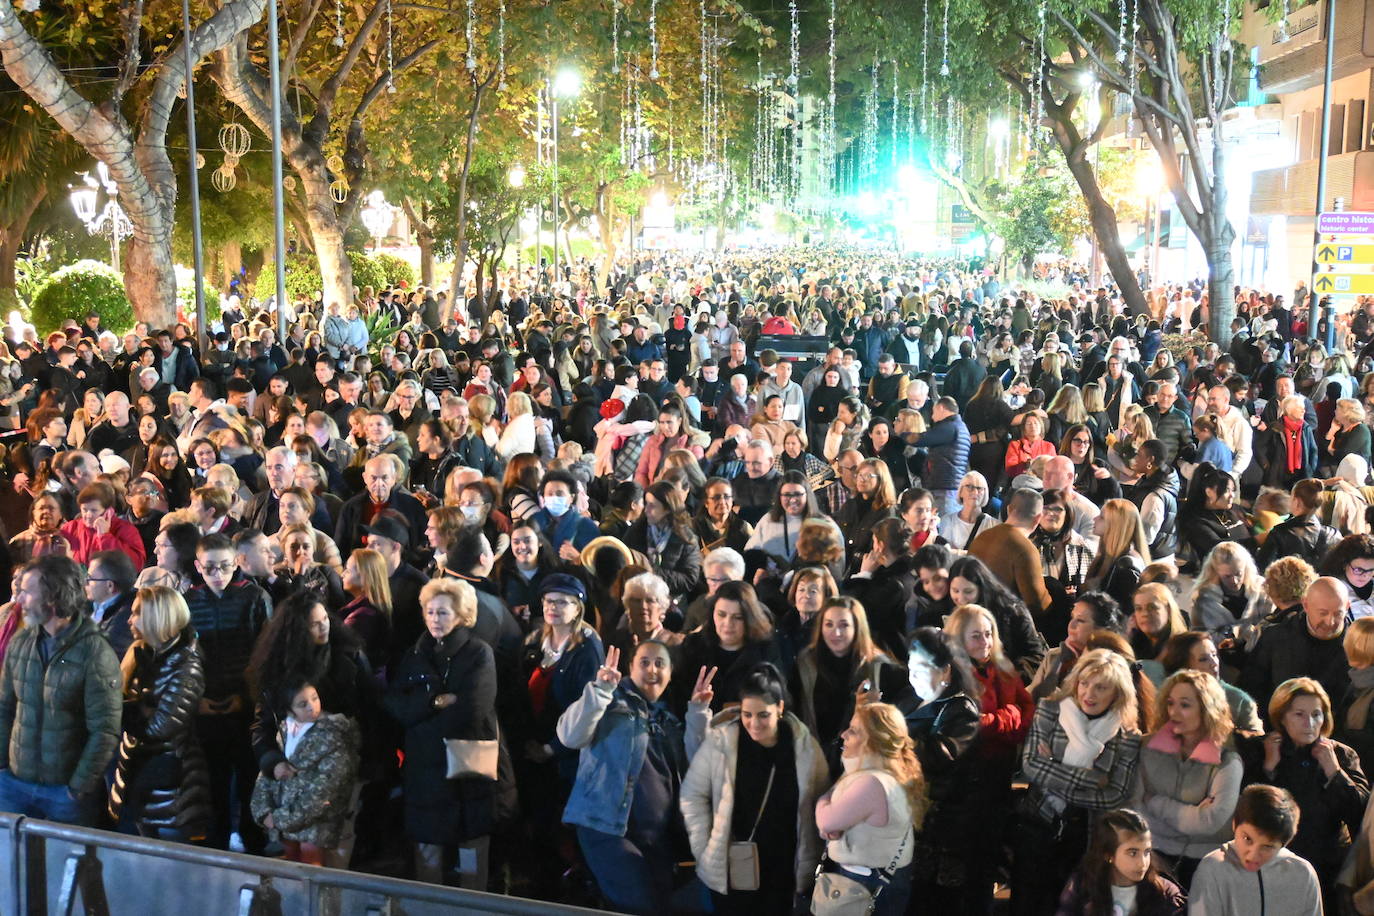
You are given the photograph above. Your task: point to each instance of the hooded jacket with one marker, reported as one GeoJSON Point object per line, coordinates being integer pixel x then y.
{"type": "Point", "coordinates": [1223, 886]}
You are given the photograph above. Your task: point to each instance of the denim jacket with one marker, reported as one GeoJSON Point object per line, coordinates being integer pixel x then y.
{"type": "Point", "coordinates": [611, 727]}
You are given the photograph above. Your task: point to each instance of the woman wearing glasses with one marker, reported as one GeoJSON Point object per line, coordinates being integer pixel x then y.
{"type": "Point", "coordinates": [960, 528]}
{"type": "Point", "coordinates": [1092, 477]}
{"type": "Point", "coordinates": [778, 531]}
{"type": "Point", "coordinates": [716, 524]}
{"type": "Point", "coordinates": [874, 500]}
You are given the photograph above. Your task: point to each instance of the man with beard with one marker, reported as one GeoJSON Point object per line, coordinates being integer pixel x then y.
{"type": "Point", "coordinates": [60, 700]}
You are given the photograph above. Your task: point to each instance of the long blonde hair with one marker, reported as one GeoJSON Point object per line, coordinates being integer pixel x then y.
{"type": "Point", "coordinates": [890, 742]}
{"type": "Point", "coordinates": [1229, 553]}
{"type": "Point", "coordinates": [1124, 533]}
{"type": "Point", "coordinates": [964, 616]}
{"type": "Point", "coordinates": [376, 585]}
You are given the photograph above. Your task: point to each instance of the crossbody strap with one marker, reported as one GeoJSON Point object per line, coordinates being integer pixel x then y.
{"type": "Point", "coordinates": [764, 804]}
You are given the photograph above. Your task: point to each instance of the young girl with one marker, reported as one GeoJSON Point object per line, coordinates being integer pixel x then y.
{"type": "Point", "coordinates": [308, 803]}
{"type": "Point", "coordinates": [1117, 875]}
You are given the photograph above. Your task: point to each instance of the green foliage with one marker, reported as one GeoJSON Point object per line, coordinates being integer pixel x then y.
{"type": "Point", "coordinates": [186, 295]}
{"type": "Point", "coordinates": [79, 288]}
{"type": "Point", "coordinates": [366, 271]}
{"type": "Point", "coordinates": [1043, 211]}
{"type": "Point", "coordinates": [397, 270]}
{"type": "Point", "coordinates": [380, 333]}
{"type": "Point", "coordinates": [302, 278]}
{"type": "Point", "coordinates": [29, 274]}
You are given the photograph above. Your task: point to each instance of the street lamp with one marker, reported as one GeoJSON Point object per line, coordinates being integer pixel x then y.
{"type": "Point", "coordinates": [565, 85]}
{"type": "Point", "coordinates": [111, 219]}
{"type": "Point", "coordinates": [377, 217]}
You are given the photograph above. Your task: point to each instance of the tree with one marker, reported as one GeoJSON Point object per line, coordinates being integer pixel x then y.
{"type": "Point", "coordinates": [1041, 212]}
{"type": "Point", "coordinates": [337, 92]}
{"type": "Point", "coordinates": [127, 130]}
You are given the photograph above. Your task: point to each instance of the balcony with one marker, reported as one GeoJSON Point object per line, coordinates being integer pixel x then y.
{"type": "Point", "coordinates": [1298, 62]}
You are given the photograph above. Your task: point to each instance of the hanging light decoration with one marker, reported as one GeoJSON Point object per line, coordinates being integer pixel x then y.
{"type": "Point", "coordinates": [289, 183]}
{"type": "Point", "coordinates": [223, 179]}
{"type": "Point", "coordinates": [501, 44]}
{"type": "Point", "coordinates": [944, 65]}
{"type": "Point", "coordinates": [1121, 31]}
{"type": "Point", "coordinates": [200, 161]}
{"type": "Point", "coordinates": [234, 139]}
{"type": "Point", "coordinates": [181, 89]}
{"type": "Point", "coordinates": [470, 32]}
{"type": "Point", "coordinates": [925, 60]}
{"type": "Point", "coordinates": [335, 163]}
{"type": "Point", "coordinates": [390, 35]}
{"type": "Point", "coordinates": [615, 36]}
{"type": "Point", "coordinates": [830, 140]}
{"type": "Point", "coordinates": [896, 110]}
{"type": "Point", "coordinates": [338, 24]}
{"type": "Point", "coordinates": [338, 190]}
{"type": "Point", "coordinates": [231, 161]}
{"type": "Point", "coordinates": [653, 39]}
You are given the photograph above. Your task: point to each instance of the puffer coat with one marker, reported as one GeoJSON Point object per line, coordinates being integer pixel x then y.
{"type": "Point", "coordinates": [162, 784]}
{"type": "Point", "coordinates": [314, 805]}
{"type": "Point", "coordinates": [60, 721]}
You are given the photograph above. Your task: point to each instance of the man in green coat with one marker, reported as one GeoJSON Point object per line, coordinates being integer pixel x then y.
{"type": "Point", "coordinates": [59, 700]}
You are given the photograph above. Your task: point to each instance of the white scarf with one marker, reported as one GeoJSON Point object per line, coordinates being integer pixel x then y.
{"type": "Point", "coordinates": [1087, 737]}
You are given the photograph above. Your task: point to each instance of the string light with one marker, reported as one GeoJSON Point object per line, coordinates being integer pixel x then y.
{"type": "Point", "coordinates": [390, 69]}
{"type": "Point", "coordinates": [925, 58]}
{"type": "Point", "coordinates": [653, 39]}
{"type": "Point", "coordinates": [615, 36]}
{"type": "Point", "coordinates": [831, 144]}
{"type": "Point", "coordinates": [1121, 32]}
{"type": "Point", "coordinates": [469, 31]}
{"type": "Point", "coordinates": [338, 24]}
{"type": "Point", "coordinates": [944, 65]}
{"type": "Point", "coordinates": [501, 43]}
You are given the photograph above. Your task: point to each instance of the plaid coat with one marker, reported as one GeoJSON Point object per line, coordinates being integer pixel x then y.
{"type": "Point", "coordinates": [1107, 784]}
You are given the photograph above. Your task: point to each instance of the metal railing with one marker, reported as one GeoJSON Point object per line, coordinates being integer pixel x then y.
{"type": "Point", "coordinates": [48, 868]}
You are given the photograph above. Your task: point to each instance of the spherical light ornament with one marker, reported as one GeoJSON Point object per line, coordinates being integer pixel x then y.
{"type": "Point", "coordinates": [200, 161]}
{"type": "Point", "coordinates": [653, 74]}
{"type": "Point", "coordinates": [224, 179]}
{"type": "Point", "coordinates": [181, 89]}
{"type": "Point", "coordinates": [289, 182]}
{"type": "Point", "coordinates": [334, 162]}
{"type": "Point", "coordinates": [338, 189]}
{"type": "Point", "coordinates": [235, 140]}
{"type": "Point", "coordinates": [231, 161]}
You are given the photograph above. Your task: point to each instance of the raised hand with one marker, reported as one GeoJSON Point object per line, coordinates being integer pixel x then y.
{"type": "Point", "coordinates": [609, 673]}
{"type": "Point", "coordinates": [702, 691]}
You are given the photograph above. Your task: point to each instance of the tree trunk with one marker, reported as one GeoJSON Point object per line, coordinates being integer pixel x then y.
{"type": "Point", "coordinates": [231, 260]}
{"type": "Point", "coordinates": [11, 240]}
{"type": "Point", "coordinates": [425, 239]}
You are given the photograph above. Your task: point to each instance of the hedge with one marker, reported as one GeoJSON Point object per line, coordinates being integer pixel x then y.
{"type": "Point", "coordinates": [75, 290]}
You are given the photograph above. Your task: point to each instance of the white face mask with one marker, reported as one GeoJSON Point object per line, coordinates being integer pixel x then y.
{"type": "Point", "coordinates": [557, 505]}
{"type": "Point", "coordinates": [472, 513]}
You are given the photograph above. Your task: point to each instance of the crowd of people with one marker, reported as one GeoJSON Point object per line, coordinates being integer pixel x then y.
{"type": "Point", "coordinates": [553, 591]}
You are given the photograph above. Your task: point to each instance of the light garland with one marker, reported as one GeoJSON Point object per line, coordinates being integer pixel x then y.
{"type": "Point", "coordinates": [944, 65]}
{"type": "Point", "coordinates": [831, 143]}
{"type": "Point", "coordinates": [1121, 32]}
{"type": "Point", "coordinates": [469, 32]}
{"type": "Point", "coordinates": [338, 24]}
{"type": "Point", "coordinates": [390, 62]}
{"type": "Point", "coordinates": [896, 109]}
{"type": "Point", "coordinates": [501, 44]}
{"type": "Point", "coordinates": [925, 59]}
{"type": "Point", "coordinates": [653, 39]}
{"type": "Point", "coordinates": [615, 36]}
{"type": "Point", "coordinates": [1039, 113]}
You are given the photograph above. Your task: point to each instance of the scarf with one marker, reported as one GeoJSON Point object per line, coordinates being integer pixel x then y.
{"type": "Point", "coordinates": [1292, 438]}
{"type": "Point", "coordinates": [1087, 737]}
{"type": "Point", "coordinates": [1357, 716]}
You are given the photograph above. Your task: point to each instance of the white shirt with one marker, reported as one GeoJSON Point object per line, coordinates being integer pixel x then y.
{"type": "Point", "coordinates": [1234, 429]}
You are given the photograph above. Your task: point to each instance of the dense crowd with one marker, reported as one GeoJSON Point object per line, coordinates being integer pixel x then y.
{"type": "Point", "coordinates": [852, 580]}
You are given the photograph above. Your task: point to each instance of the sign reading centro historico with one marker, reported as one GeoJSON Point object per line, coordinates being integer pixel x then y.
{"type": "Point", "coordinates": [1346, 223]}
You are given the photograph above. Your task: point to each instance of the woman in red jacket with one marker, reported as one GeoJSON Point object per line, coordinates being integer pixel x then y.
{"type": "Point", "coordinates": [1006, 711]}
{"type": "Point", "coordinates": [1031, 445]}
{"type": "Point", "coordinates": [96, 527]}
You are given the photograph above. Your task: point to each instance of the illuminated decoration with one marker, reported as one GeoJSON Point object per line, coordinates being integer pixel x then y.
{"type": "Point", "coordinates": [1121, 32]}
{"type": "Point", "coordinates": [338, 24]}
{"type": "Point", "coordinates": [390, 63]}
{"type": "Point", "coordinates": [339, 189]}
{"type": "Point", "coordinates": [1038, 101]}
{"type": "Point", "coordinates": [896, 112]}
{"type": "Point", "coordinates": [235, 140]}
{"type": "Point", "coordinates": [944, 64]}
{"type": "Point", "coordinates": [231, 161]}
{"type": "Point", "coordinates": [469, 32]}
{"type": "Point", "coordinates": [925, 59]}
{"type": "Point", "coordinates": [223, 179]}
{"type": "Point", "coordinates": [289, 183]}
{"type": "Point", "coordinates": [831, 144]}
{"type": "Point", "coordinates": [653, 39]}
{"type": "Point", "coordinates": [200, 161]}
{"type": "Point", "coordinates": [615, 36]}
{"type": "Point", "coordinates": [501, 44]}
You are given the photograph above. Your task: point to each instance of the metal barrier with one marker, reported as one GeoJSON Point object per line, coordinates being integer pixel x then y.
{"type": "Point", "coordinates": [48, 868]}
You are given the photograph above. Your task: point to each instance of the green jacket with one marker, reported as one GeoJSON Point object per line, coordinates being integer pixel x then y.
{"type": "Point", "coordinates": [62, 720]}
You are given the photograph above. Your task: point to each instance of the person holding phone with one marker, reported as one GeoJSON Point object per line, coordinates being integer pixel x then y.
{"type": "Point", "coordinates": [96, 527]}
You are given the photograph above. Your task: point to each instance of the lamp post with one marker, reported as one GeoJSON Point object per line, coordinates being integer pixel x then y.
{"type": "Point", "coordinates": [109, 219]}
{"type": "Point", "coordinates": [565, 84]}
{"type": "Point", "coordinates": [377, 218]}
{"type": "Point", "coordinates": [193, 181]}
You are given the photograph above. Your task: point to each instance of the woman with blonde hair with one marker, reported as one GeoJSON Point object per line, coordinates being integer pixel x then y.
{"type": "Point", "coordinates": [1348, 433]}
{"type": "Point", "coordinates": [518, 437]}
{"type": "Point", "coordinates": [1154, 618]}
{"type": "Point", "coordinates": [1079, 758]}
{"type": "Point", "coordinates": [1005, 712]}
{"type": "Point", "coordinates": [482, 419]}
{"type": "Point", "coordinates": [1190, 776]}
{"type": "Point", "coordinates": [160, 788]}
{"type": "Point", "coordinates": [1123, 552]}
{"type": "Point", "coordinates": [871, 816]}
{"type": "Point", "coordinates": [368, 614]}
{"type": "Point", "coordinates": [1229, 592]}
{"type": "Point", "coordinates": [1065, 410]}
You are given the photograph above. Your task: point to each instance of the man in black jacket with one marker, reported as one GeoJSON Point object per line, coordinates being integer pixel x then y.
{"type": "Point", "coordinates": [964, 376]}
{"type": "Point", "coordinates": [228, 612]}
{"type": "Point", "coordinates": [381, 494]}
{"type": "Point", "coordinates": [1303, 645]}
{"type": "Point", "coordinates": [110, 589]}
{"type": "Point", "coordinates": [1302, 534]}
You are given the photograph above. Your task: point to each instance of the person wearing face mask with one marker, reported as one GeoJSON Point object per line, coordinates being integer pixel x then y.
{"type": "Point", "coordinates": [631, 747]}
{"type": "Point", "coordinates": [1324, 776]}
{"type": "Point", "coordinates": [564, 524]}
{"type": "Point", "coordinates": [755, 780]}
{"type": "Point", "coordinates": [1080, 757]}
{"type": "Point", "coordinates": [840, 667]}
{"type": "Point", "coordinates": [942, 719]}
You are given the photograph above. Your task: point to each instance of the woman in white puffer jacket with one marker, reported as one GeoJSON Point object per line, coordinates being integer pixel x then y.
{"type": "Point", "coordinates": [765, 759]}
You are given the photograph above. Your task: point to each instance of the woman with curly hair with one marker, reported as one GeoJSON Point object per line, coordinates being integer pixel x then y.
{"type": "Point", "coordinates": [883, 785]}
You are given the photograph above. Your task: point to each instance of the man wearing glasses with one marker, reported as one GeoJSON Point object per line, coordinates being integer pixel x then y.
{"type": "Point", "coordinates": [754, 488]}
{"type": "Point", "coordinates": [847, 484]}
{"type": "Point", "coordinates": [227, 612]}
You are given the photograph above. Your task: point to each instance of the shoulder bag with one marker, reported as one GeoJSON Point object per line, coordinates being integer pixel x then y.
{"type": "Point", "coordinates": [744, 857]}
{"type": "Point", "coordinates": [839, 894]}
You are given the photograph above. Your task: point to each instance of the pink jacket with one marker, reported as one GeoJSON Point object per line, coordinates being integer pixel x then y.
{"type": "Point", "coordinates": [122, 536]}
{"type": "Point", "coordinates": [654, 452]}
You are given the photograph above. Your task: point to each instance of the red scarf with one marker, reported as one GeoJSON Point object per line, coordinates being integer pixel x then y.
{"type": "Point", "coordinates": [1292, 438]}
